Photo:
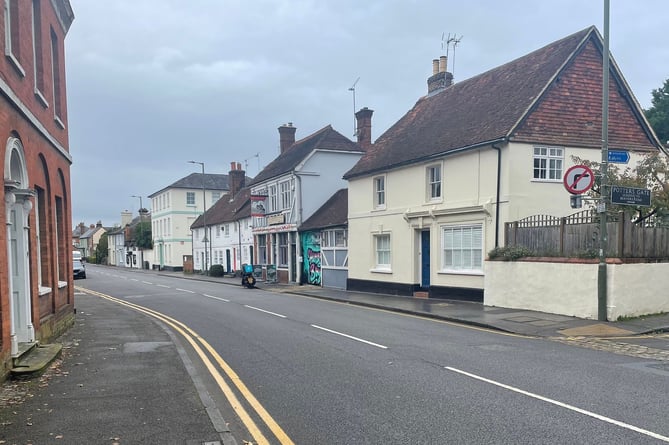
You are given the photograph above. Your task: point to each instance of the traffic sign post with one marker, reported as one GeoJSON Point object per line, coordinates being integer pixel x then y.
{"type": "Point", "coordinates": [578, 179]}
{"type": "Point", "coordinates": [619, 156]}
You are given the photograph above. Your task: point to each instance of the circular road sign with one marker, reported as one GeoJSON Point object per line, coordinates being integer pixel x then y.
{"type": "Point", "coordinates": [578, 179]}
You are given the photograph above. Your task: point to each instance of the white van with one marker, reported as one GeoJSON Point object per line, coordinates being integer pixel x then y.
{"type": "Point", "coordinates": [76, 255]}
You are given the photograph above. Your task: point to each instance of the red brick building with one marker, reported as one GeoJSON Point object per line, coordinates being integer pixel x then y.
{"type": "Point", "coordinates": [36, 289]}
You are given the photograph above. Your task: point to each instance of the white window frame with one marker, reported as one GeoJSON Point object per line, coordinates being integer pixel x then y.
{"type": "Point", "coordinates": [215, 196]}
{"type": "Point", "coordinates": [462, 248]}
{"type": "Point", "coordinates": [190, 199]}
{"type": "Point", "coordinates": [433, 182]}
{"type": "Point", "coordinates": [382, 252]}
{"type": "Point", "coordinates": [379, 192]}
{"type": "Point", "coordinates": [272, 193]}
{"type": "Point", "coordinates": [547, 163]}
{"type": "Point", "coordinates": [285, 191]}
{"type": "Point", "coordinates": [8, 39]}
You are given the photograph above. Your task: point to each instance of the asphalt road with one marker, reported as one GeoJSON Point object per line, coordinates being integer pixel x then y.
{"type": "Point", "coordinates": [329, 373]}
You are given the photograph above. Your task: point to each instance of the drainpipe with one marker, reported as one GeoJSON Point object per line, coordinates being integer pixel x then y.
{"type": "Point", "coordinates": [499, 180]}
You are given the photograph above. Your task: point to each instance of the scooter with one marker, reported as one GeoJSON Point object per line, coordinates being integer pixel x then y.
{"type": "Point", "coordinates": [248, 280]}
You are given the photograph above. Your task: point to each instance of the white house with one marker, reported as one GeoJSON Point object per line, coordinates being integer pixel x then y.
{"type": "Point", "coordinates": [174, 209]}
{"type": "Point", "coordinates": [296, 184]}
{"type": "Point", "coordinates": [228, 227]}
{"type": "Point", "coordinates": [429, 199]}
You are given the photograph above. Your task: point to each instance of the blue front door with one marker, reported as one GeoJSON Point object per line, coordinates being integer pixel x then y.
{"type": "Point", "coordinates": [425, 259]}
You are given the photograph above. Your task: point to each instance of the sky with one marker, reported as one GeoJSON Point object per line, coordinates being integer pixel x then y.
{"type": "Point", "coordinates": [152, 84]}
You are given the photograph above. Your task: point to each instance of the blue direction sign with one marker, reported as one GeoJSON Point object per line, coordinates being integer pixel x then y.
{"type": "Point", "coordinates": [630, 196]}
{"type": "Point", "coordinates": [619, 156]}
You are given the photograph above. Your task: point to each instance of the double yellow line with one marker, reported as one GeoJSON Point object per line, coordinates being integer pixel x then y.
{"type": "Point", "coordinates": [195, 341]}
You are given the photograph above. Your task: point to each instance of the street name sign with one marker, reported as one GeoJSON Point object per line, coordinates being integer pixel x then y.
{"type": "Point", "coordinates": [630, 196]}
{"type": "Point", "coordinates": [619, 156]}
{"type": "Point", "coordinates": [578, 179]}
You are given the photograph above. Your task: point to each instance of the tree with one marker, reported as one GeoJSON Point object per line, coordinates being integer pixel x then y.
{"type": "Point", "coordinates": [101, 249]}
{"type": "Point", "coordinates": [658, 113]}
{"type": "Point", "coordinates": [141, 235]}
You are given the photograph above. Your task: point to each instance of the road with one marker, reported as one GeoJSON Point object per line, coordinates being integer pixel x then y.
{"type": "Point", "coordinates": [310, 371]}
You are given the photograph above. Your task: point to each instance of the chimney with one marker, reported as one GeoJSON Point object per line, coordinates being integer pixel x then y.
{"type": "Point", "coordinates": [364, 125]}
{"type": "Point", "coordinates": [236, 178]}
{"type": "Point", "coordinates": [99, 224]}
{"type": "Point", "coordinates": [442, 64]}
{"type": "Point", "coordinates": [286, 136]}
{"type": "Point", "coordinates": [441, 80]}
{"type": "Point", "coordinates": [126, 218]}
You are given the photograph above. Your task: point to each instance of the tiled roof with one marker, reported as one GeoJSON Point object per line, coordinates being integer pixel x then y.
{"type": "Point", "coordinates": [194, 181]}
{"type": "Point", "coordinates": [225, 210]}
{"type": "Point", "coordinates": [326, 138]}
{"type": "Point", "coordinates": [333, 213]}
{"type": "Point", "coordinates": [492, 106]}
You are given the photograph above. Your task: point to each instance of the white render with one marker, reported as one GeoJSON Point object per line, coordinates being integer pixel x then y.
{"type": "Point", "coordinates": [468, 197]}
{"type": "Point", "coordinates": [171, 219]}
{"type": "Point", "coordinates": [233, 240]}
{"type": "Point", "coordinates": [570, 289]}
{"type": "Point", "coordinates": [313, 182]}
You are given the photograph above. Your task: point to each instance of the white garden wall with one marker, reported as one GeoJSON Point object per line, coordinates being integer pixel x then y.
{"type": "Point", "coordinates": [570, 288]}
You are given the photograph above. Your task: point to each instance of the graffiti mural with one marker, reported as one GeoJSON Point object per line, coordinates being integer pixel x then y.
{"type": "Point", "coordinates": [311, 252]}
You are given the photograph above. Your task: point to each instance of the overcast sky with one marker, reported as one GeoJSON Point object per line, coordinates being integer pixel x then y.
{"type": "Point", "coordinates": [153, 84]}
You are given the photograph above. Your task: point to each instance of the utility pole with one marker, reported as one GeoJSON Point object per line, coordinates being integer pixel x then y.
{"type": "Point", "coordinates": [204, 218]}
{"type": "Point", "coordinates": [604, 186]}
{"type": "Point", "coordinates": [141, 232]}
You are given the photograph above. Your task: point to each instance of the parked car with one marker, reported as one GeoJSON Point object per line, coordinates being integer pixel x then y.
{"type": "Point", "coordinates": [79, 269]}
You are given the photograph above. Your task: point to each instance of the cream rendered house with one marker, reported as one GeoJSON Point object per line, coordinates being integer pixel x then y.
{"type": "Point", "coordinates": [429, 199]}
{"type": "Point", "coordinates": [174, 210]}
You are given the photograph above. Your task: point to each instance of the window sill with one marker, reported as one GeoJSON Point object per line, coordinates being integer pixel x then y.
{"type": "Point", "coordinates": [551, 181]}
{"type": "Point", "coordinates": [40, 98]}
{"type": "Point", "coordinates": [461, 272]}
{"type": "Point", "coordinates": [381, 270]}
{"type": "Point", "coordinates": [59, 122]}
{"type": "Point", "coordinates": [379, 208]}
{"type": "Point", "coordinates": [62, 284]}
{"type": "Point", "coordinates": [15, 63]}
{"type": "Point", "coordinates": [44, 290]}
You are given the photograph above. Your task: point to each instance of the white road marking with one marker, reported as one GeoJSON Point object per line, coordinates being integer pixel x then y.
{"type": "Point", "coordinates": [185, 290]}
{"type": "Point", "coordinates": [147, 282]}
{"type": "Point", "coordinates": [263, 310]}
{"type": "Point", "coordinates": [163, 285]}
{"type": "Point", "coordinates": [134, 279]}
{"type": "Point", "coordinates": [349, 336]}
{"type": "Point", "coordinates": [216, 298]}
{"type": "Point", "coordinates": [563, 405]}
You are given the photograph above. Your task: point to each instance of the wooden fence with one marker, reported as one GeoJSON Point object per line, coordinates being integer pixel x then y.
{"type": "Point", "coordinates": [578, 235]}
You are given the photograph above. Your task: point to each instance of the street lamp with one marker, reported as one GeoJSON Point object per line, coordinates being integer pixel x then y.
{"type": "Point", "coordinates": [204, 216]}
{"type": "Point", "coordinates": [141, 231]}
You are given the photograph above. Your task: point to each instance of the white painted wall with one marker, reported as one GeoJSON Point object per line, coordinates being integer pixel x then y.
{"type": "Point", "coordinates": [571, 288]}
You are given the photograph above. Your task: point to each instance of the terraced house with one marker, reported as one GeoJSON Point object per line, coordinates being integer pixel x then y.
{"type": "Point", "coordinates": [36, 291]}
{"type": "Point", "coordinates": [430, 197]}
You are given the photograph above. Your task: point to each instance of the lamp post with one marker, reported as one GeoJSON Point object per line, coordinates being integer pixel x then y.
{"type": "Point", "coordinates": [204, 217]}
{"type": "Point", "coordinates": [141, 231]}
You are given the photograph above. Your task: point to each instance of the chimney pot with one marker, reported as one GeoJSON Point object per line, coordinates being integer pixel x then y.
{"type": "Point", "coordinates": [442, 64]}
{"type": "Point", "coordinates": [435, 66]}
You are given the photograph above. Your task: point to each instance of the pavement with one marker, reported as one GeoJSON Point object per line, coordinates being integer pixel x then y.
{"type": "Point", "coordinates": [124, 380]}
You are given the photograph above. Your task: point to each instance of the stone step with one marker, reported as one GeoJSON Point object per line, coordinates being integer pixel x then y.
{"type": "Point", "coordinates": [35, 361]}
{"type": "Point", "coordinates": [421, 294]}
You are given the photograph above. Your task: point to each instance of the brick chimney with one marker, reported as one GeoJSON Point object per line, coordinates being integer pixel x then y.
{"type": "Point", "coordinates": [236, 178]}
{"type": "Point", "coordinates": [286, 136]}
{"type": "Point", "coordinates": [440, 78]}
{"type": "Point", "coordinates": [364, 125]}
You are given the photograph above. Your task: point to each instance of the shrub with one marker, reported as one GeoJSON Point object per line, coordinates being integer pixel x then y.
{"type": "Point", "coordinates": [509, 253]}
{"type": "Point", "coordinates": [216, 270]}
